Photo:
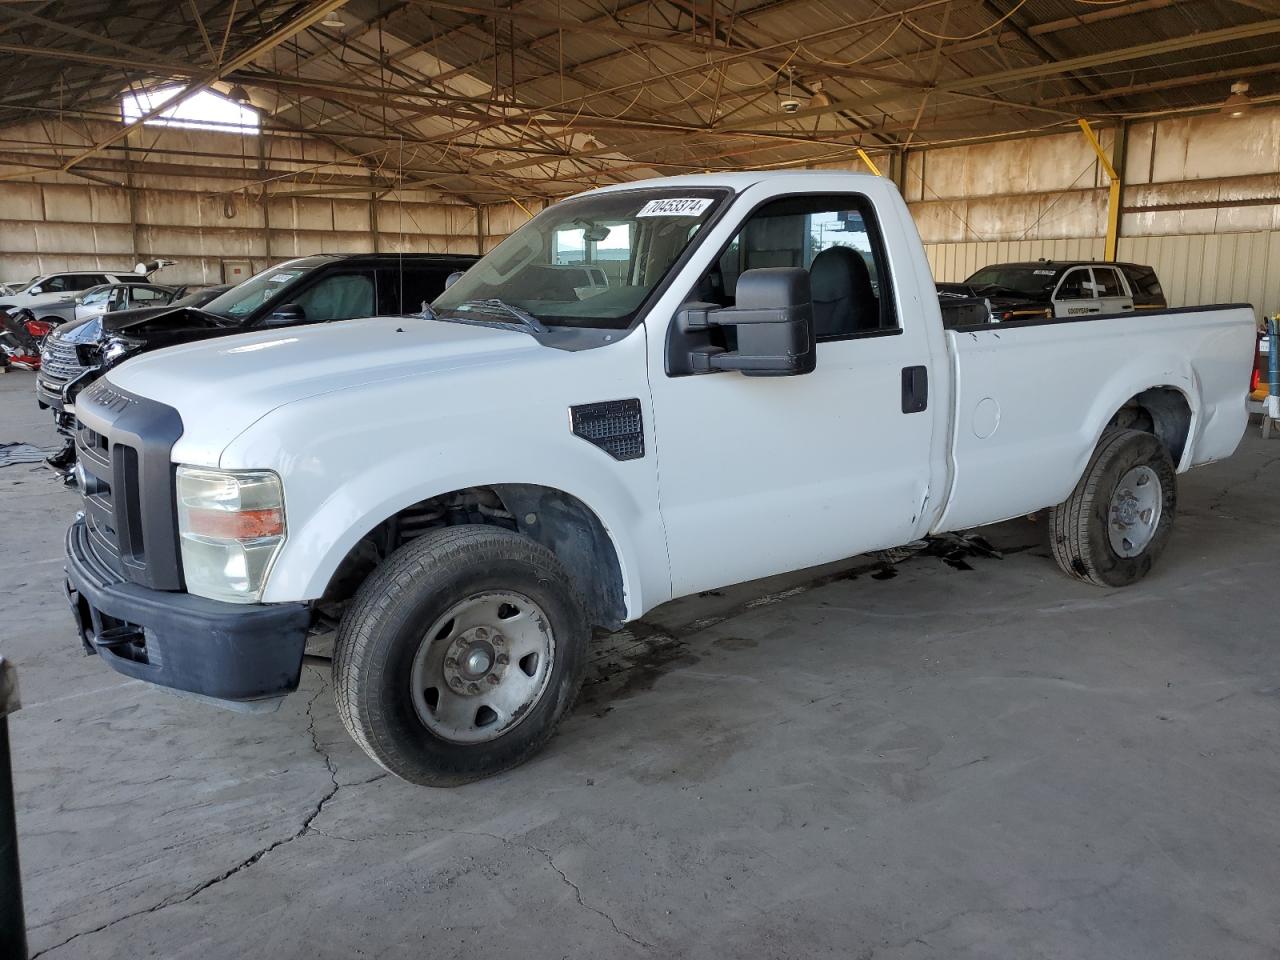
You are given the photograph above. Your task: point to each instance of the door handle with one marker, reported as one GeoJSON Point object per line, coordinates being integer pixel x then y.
{"type": "Point", "coordinates": [915, 389]}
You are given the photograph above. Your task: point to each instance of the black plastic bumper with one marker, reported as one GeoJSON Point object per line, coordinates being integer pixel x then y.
{"type": "Point", "coordinates": [225, 651]}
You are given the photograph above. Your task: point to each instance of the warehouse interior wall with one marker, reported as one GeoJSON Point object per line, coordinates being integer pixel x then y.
{"type": "Point", "coordinates": [1201, 203]}
{"type": "Point", "coordinates": [171, 192]}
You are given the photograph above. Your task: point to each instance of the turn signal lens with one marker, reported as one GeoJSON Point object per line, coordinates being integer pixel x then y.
{"type": "Point", "coordinates": [245, 525]}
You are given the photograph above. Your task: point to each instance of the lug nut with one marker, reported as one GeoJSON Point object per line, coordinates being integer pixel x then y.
{"type": "Point", "coordinates": [503, 659]}
{"type": "Point", "coordinates": [450, 661]}
{"type": "Point", "coordinates": [481, 633]}
{"type": "Point", "coordinates": [492, 680]}
{"type": "Point", "coordinates": [473, 688]}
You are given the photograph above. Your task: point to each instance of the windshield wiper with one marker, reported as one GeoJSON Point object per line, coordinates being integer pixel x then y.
{"type": "Point", "coordinates": [524, 316]}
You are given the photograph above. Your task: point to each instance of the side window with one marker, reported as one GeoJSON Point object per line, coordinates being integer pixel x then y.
{"type": "Point", "coordinates": [84, 283]}
{"type": "Point", "coordinates": [1076, 285]}
{"type": "Point", "coordinates": [1108, 283]}
{"type": "Point", "coordinates": [147, 295]}
{"type": "Point", "coordinates": [403, 290]}
{"type": "Point", "coordinates": [1144, 282]}
{"type": "Point", "coordinates": [605, 245]}
{"type": "Point", "coordinates": [834, 237]}
{"type": "Point", "coordinates": [59, 284]}
{"type": "Point", "coordinates": [339, 296]}
{"type": "Point", "coordinates": [570, 246]}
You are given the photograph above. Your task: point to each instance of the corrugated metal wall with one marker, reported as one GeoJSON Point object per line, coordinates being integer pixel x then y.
{"type": "Point", "coordinates": [955, 261]}
{"type": "Point", "coordinates": [1213, 268]}
{"type": "Point", "coordinates": [182, 211]}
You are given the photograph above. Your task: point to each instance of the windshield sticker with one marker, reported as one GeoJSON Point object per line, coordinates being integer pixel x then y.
{"type": "Point", "coordinates": [281, 278]}
{"type": "Point", "coordinates": [675, 207]}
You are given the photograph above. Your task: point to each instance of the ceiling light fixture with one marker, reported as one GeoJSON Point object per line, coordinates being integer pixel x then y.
{"type": "Point", "coordinates": [332, 19]}
{"type": "Point", "coordinates": [238, 94]}
{"type": "Point", "coordinates": [1238, 103]}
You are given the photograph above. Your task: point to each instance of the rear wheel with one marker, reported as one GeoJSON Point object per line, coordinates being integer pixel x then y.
{"type": "Point", "coordinates": [1118, 519]}
{"type": "Point", "coordinates": [460, 655]}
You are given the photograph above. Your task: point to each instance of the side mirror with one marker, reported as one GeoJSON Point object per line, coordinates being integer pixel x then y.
{"type": "Point", "coordinates": [772, 326]}
{"type": "Point", "coordinates": [34, 290]}
{"type": "Point", "coordinates": [452, 278]}
{"type": "Point", "coordinates": [286, 313]}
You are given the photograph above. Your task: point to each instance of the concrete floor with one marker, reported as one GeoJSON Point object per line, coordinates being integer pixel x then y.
{"type": "Point", "coordinates": [992, 763]}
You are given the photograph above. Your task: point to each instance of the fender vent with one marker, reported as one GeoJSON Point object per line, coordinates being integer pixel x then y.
{"type": "Point", "coordinates": [615, 426]}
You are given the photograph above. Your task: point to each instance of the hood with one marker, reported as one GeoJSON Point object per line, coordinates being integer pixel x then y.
{"type": "Point", "coordinates": [166, 319]}
{"type": "Point", "coordinates": [222, 386]}
{"type": "Point", "coordinates": [88, 330]}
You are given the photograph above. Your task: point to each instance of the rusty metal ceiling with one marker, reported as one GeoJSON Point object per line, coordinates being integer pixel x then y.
{"type": "Point", "coordinates": [543, 97]}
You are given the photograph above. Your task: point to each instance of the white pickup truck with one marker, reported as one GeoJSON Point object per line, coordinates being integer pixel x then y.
{"type": "Point", "coordinates": [763, 384]}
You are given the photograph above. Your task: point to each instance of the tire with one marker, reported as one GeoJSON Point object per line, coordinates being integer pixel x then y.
{"type": "Point", "coordinates": [446, 598]}
{"type": "Point", "coordinates": [1099, 534]}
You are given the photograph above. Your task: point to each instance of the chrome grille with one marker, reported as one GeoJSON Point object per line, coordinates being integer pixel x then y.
{"type": "Point", "coordinates": [59, 362]}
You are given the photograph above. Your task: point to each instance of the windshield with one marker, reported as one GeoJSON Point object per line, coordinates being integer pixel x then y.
{"type": "Point", "coordinates": [589, 262]}
{"type": "Point", "coordinates": [96, 296]}
{"type": "Point", "coordinates": [1026, 280]}
{"type": "Point", "coordinates": [242, 300]}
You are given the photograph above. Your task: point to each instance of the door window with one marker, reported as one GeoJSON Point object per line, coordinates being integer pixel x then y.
{"type": "Point", "coordinates": [835, 238]}
{"type": "Point", "coordinates": [404, 290]}
{"type": "Point", "coordinates": [1144, 282]}
{"type": "Point", "coordinates": [1108, 283]}
{"type": "Point", "coordinates": [149, 296]}
{"type": "Point", "coordinates": [1076, 285]}
{"type": "Point", "coordinates": [339, 296]}
{"type": "Point", "coordinates": [59, 284]}
{"type": "Point", "coordinates": [96, 296]}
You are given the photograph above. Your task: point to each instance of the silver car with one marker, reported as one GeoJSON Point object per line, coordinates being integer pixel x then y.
{"type": "Point", "coordinates": [108, 298]}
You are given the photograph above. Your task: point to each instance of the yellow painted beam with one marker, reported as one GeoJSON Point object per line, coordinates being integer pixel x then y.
{"type": "Point", "coordinates": [862, 155]}
{"type": "Point", "coordinates": [1113, 195]}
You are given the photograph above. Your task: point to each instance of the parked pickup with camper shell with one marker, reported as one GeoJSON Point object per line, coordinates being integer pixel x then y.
{"type": "Point", "coordinates": [764, 384]}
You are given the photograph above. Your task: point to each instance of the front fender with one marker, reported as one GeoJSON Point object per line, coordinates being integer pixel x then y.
{"type": "Point", "coordinates": [343, 476]}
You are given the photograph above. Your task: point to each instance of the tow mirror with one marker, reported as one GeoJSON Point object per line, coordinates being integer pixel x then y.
{"type": "Point", "coordinates": [287, 313]}
{"type": "Point", "coordinates": [772, 324]}
{"type": "Point", "coordinates": [452, 278]}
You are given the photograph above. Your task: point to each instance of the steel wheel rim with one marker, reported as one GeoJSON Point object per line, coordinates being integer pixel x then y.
{"type": "Point", "coordinates": [482, 667]}
{"type": "Point", "coordinates": [1133, 516]}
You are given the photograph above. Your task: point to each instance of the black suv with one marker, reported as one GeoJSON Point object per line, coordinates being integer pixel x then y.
{"type": "Point", "coordinates": [307, 290]}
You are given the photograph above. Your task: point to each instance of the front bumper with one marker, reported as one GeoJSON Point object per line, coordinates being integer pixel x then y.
{"type": "Point", "coordinates": [47, 396]}
{"type": "Point", "coordinates": [224, 651]}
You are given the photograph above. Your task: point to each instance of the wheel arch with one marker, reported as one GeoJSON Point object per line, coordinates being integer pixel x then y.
{"type": "Point", "coordinates": [555, 518]}
{"type": "Point", "coordinates": [1165, 411]}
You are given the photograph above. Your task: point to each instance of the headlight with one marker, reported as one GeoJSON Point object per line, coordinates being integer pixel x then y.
{"type": "Point", "coordinates": [117, 348]}
{"type": "Point", "coordinates": [231, 526]}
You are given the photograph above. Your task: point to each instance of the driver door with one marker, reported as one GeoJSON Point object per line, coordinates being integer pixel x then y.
{"type": "Point", "coordinates": [760, 475]}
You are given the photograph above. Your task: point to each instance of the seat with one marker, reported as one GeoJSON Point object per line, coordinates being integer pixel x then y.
{"type": "Point", "coordinates": [843, 299]}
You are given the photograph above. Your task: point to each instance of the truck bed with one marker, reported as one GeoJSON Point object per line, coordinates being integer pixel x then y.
{"type": "Point", "coordinates": [1032, 398]}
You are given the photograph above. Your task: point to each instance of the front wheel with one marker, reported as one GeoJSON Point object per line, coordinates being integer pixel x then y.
{"type": "Point", "coordinates": [1118, 519]}
{"type": "Point", "coordinates": [460, 655]}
